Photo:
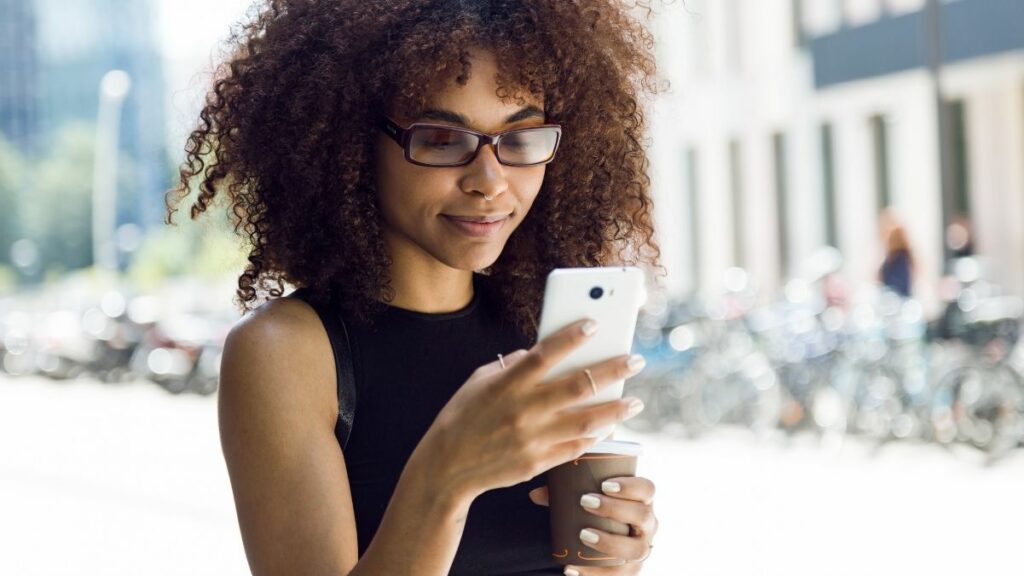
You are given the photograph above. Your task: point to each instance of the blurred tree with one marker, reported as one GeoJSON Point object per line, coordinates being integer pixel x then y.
{"type": "Point", "coordinates": [12, 166]}
{"type": "Point", "coordinates": [59, 213]}
{"type": "Point", "coordinates": [8, 280]}
{"type": "Point", "coordinates": [164, 252]}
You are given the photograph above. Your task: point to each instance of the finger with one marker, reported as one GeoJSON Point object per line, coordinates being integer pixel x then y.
{"type": "Point", "coordinates": [629, 548]}
{"type": "Point", "coordinates": [630, 569]}
{"type": "Point", "coordinates": [495, 366]}
{"type": "Point", "coordinates": [540, 496]}
{"type": "Point", "coordinates": [630, 488]}
{"type": "Point", "coordinates": [582, 422]}
{"type": "Point", "coordinates": [638, 514]}
{"type": "Point", "coordinates": [574, 388]}
{"type": "Point", "coordinates": [544, 355]}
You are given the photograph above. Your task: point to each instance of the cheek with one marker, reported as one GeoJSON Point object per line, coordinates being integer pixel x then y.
{"type": "Point", "coordinates": [395, 180]}
{"type": "Point", "coordinates": [530, 190]}
{"type": "Point", "coordinates": [406, 193]}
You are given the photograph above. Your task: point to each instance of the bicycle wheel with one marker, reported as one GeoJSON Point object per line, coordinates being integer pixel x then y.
{"type": "Point", "coordinates": [981, 406]}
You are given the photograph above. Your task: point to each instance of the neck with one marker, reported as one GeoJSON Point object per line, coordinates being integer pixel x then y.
{"type": "Point", "coordinates": [423, 284]}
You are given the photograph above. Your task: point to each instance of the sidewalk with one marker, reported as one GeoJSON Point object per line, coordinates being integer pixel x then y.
{"type": "Point", "coordinates": [128, 480]}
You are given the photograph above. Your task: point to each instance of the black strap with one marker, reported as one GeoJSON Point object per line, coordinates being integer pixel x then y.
{"type": "Point", "coordinates": [337, 333]}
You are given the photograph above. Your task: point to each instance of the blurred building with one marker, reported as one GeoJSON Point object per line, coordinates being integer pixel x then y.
{"type": "Point", "coordinates": [19, 70]}
{"type": "Point", "coordinates": [793, 123]}
{"type": "Point", "coordinates": [54, 53]}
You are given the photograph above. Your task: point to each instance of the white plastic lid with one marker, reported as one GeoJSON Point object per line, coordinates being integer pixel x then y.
{"type": "Point", "coordinates": [617, 447]}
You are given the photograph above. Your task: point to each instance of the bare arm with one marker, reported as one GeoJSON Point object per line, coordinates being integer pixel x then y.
{"type": "Point", "coordinates": [277, 409]}
{"type": "Point", "coordinates": [421, 529]}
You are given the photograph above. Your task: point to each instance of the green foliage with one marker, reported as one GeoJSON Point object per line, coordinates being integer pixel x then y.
{"type": "Point", "coordinates": [50, 202]}
{"type": "Point", "coordinates": [12, 171]}
{"type": "Point", "coordinates": [8, 280]}
{"type": "Point", "coordinates": [58, 211]}
{"type": "Point", "coordinates": [189, 249]}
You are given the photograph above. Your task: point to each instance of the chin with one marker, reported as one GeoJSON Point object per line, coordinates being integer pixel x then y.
{"type": "Point", "coordinates": [473, 260]}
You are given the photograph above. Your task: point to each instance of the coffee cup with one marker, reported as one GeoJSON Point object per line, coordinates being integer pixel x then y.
{"type": "Point", "coordinates": [584, 475]}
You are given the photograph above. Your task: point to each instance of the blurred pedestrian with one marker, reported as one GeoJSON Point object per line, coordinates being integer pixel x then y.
{"type": "Point", "coordinates": [897, 268]}
{"type": "Point", "coordinates": [959, 237]}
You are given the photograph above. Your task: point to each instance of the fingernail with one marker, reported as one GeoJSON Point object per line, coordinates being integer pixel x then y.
{"type": "Point", "coordinates": [590, 327]}
{"type": "Point", "coordinates": [611, 487]}
{"type": "Point", "coordinates": [571, 572]}
{"type": "Point", "coordinates": [590, 501]}
{"type": "Point", "coordinates": [636, 363]}
{"type": "Point", "coordinates": [635, 406]}
{"type": "Point", "coordinates": [589, 536]}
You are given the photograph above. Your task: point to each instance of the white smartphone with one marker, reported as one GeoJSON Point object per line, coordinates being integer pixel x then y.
{"type": "Point", "coordinates": [613, 297]}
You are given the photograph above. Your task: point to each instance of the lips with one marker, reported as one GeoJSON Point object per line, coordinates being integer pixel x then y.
{"type": "Point", "coordinates": [477, 226]}
{"type": "Point", "coordinates": [479, 219]}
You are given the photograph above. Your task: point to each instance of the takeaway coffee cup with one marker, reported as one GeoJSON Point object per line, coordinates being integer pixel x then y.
{"type": "Point", "coordinates": [571, 480]}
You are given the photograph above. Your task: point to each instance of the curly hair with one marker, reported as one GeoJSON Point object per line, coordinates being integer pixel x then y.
{"type": "Point", "coordinates": [287, 132]}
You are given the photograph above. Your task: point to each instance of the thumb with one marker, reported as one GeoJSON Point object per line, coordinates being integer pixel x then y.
{"type": "Point", "coordinates": [539, 496]}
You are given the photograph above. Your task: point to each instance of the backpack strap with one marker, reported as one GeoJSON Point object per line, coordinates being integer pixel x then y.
{"type": "Point", "coordinates": [341, 344]}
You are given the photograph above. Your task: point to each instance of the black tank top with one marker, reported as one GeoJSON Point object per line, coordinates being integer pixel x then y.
{"type": "Point", "coordinates": [407, 366]}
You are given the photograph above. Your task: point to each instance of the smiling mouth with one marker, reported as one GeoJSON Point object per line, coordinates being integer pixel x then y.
{"type": "Point", "coordinates": [477, 227]}
{"type": "Point", "coordinates": [479, 219]}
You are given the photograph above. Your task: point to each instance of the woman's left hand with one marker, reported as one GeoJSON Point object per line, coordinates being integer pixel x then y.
{"type": "Point", "coordinates": [631, 505]}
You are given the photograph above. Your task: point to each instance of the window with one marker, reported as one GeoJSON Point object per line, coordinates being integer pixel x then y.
{"type": "Point", "coordinates": [961, 169]}
{"type": "Point", "coordinates": [781, 200]}
{"type": "Point", "coordinates": [828, 185]}
{"type": "Point", "coordinates": [880, 145]}
{"type": "Point", "coordinates": [738, 204]}
{"type": "Point", "coordinates": [693, 197]}
{"type": "Point", "coordinates": [797, 16]}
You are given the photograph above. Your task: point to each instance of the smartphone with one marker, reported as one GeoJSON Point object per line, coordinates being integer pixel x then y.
{"type": "Point", "coordinates": [613, 297]}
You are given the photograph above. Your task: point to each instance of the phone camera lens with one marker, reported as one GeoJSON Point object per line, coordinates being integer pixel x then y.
{"type": "Point", "coordinates": [596, 292]}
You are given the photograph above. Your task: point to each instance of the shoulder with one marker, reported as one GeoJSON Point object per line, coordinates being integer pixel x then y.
{"type": "Point", "coordinates": [280, 352]}
{"type": "Point", "coordinates": [277, 408]}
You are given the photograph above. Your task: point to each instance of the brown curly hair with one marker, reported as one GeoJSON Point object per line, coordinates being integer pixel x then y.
{"type": "Point", "coordinates": [288, 127]}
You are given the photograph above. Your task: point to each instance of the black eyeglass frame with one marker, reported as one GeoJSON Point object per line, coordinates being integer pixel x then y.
{"type": "Point", "coordinates": [404, 135]}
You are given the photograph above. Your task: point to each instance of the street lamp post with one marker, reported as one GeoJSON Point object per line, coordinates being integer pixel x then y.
{"type": "Point", "coordinates": [114, 88]}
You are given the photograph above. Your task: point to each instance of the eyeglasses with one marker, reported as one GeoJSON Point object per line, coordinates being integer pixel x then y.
{"type": "Point", "coordinates": [440, 145]}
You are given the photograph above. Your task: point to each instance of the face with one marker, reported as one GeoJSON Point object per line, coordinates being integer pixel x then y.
{"type": "Point", "coordinates": [424, 208]}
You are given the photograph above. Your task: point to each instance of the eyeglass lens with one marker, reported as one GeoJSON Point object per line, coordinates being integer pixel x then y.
{"type": "Point", "coordinates": [443, 147]}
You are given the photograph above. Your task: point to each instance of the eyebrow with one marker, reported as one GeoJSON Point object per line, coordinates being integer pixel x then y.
{"type": "Point", "coordinates": [456, 118]}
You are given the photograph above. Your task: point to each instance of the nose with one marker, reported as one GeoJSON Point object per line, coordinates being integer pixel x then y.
{"type": "Point", "coordinates": [485, 175]}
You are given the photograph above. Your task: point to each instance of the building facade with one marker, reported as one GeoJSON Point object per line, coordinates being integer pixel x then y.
{"type": "Point", "coordinates": [19, 71]}
{"type": "Point", "coordinates": [792, 124]}
{"type": "Point", "coordinates": [53, 54]}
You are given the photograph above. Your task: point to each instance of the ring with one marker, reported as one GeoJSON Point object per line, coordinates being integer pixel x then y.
{"type": "Point", "coordinates": [501, 360]}
{"type": "Point", "coordinates": [591, 377]}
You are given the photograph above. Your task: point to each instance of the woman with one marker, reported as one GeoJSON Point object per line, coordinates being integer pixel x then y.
{"type": "Point", "coordinates": [897, 270]}
{"type": "Point", "coordinates": [351, 142]}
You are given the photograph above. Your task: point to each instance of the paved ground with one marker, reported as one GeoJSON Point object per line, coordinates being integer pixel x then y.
{"type": "Point", "coordinates": [128, 480]}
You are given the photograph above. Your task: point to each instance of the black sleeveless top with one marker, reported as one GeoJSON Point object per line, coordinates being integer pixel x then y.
{"type": "Point", "coordinates": [407, 366]}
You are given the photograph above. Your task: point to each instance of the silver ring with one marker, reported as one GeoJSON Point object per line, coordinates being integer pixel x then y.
{"type": "Point", "coordinates": [501, 360]}
{"type": "Point", "coordinates": [591, 378]}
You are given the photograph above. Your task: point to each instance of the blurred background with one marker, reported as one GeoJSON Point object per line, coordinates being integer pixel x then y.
{"type": "Point", "coordinates": [834, 376]}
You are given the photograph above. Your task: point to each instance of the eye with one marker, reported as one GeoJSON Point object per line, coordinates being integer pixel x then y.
{"type": "Point", "coordinates": [515, 141]}
{"type": "Point", "coordinates": [442, 139]}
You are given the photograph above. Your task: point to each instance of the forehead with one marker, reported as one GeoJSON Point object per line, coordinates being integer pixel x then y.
{"type": "Point", "coordinates": [486, 97]}
{"type": "Point", "coordinates": [482, 95]}
{"type": "Point", "coordinates": [515, 114]}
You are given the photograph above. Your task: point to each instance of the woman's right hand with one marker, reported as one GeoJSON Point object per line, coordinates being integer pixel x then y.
{"type": "Point", "coordinates": [504, 426]}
